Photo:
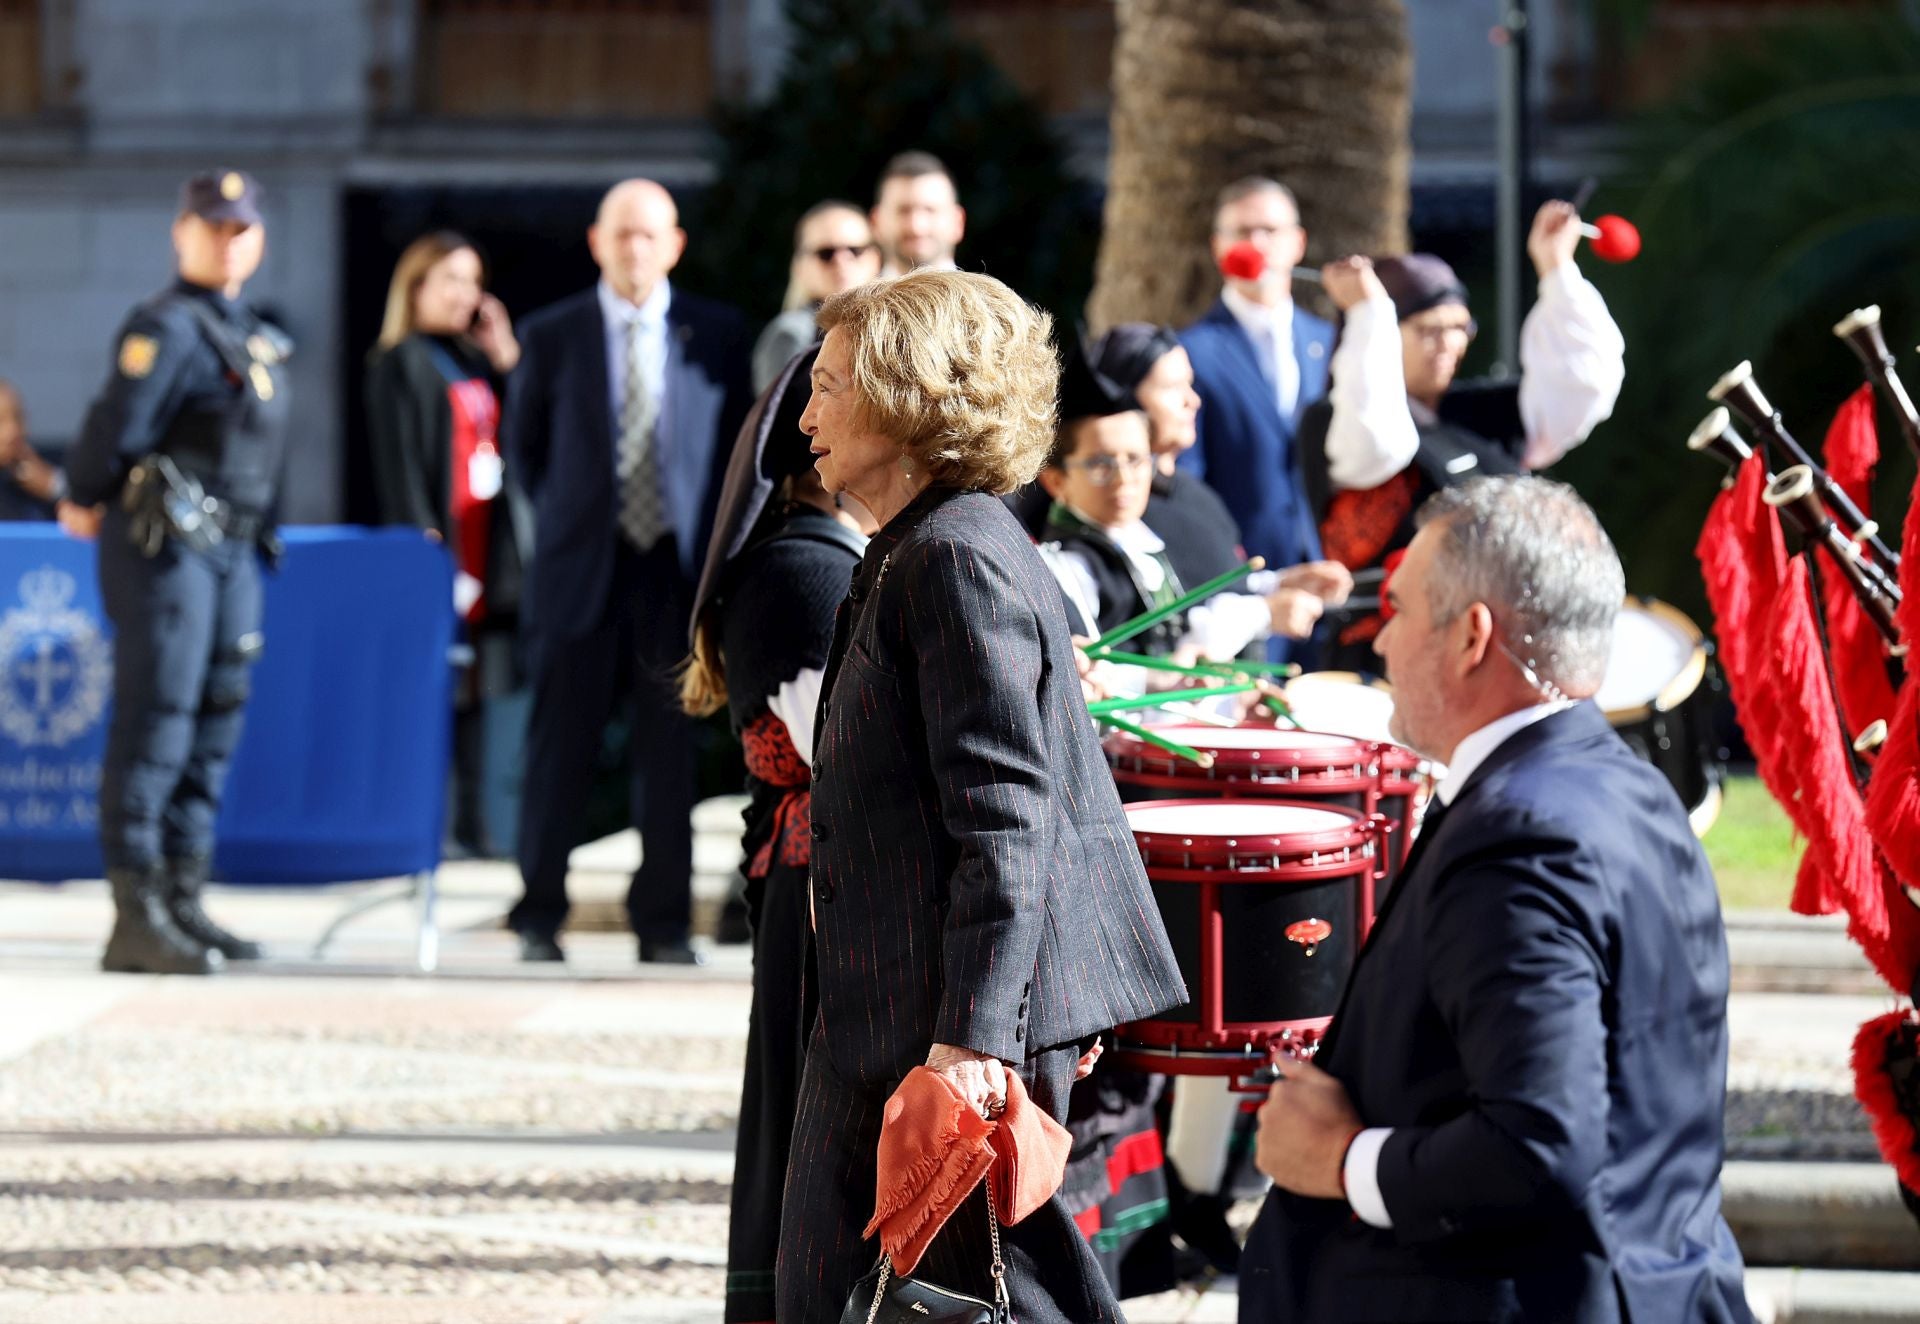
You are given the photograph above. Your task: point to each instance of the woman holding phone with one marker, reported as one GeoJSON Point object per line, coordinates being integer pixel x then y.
{"type": "Point", "coordinates": [433, 409]}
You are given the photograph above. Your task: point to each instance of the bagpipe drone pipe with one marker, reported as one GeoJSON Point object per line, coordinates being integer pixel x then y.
{"type": "Point", "coordinates": [1814, 642]}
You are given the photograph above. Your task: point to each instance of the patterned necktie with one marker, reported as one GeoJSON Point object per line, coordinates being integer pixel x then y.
{"type": "Point", "coordinates": [643, 516]}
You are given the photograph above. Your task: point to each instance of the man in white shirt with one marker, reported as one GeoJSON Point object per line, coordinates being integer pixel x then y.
{"type": "Point", "coordinates": [619, 421]}
{"type": "Point", "coordinates": [1257, 361]}
{"type": "Point", "coordinates": [1397, 427]}
{"type": "Point", "coordinates": [917, 217]}
{"type": "Point", "coordinates": [1517, 1113]}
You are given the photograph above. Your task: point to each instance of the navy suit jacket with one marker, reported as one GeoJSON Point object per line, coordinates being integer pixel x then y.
{"type": "Point", "coordinates": [974, 879]}
{"type": "Point", "coordinates": [560, 439]}
{"type": "Point", "coordinates": [1246, 450]}
{"type": "Point", "coordinates": [1541, 1016]}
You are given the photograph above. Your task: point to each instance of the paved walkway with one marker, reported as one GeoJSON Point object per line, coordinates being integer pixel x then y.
{"type": "Point", "coordinates": [306, 1142]}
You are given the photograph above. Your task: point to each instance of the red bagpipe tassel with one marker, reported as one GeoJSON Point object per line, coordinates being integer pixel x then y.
{"type": "Point", "coordinates": [1804, 763]}
{"type": "Point", "coordinates": [1743, 558]}
{"type": "Point", "coordinates": [1886, 1078]}
{"type": "Point", "coordinates": [1859, 652]}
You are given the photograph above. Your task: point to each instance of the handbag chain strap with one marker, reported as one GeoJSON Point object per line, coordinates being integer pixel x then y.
{"type": "Point", "coordinates": [1000, 1297]}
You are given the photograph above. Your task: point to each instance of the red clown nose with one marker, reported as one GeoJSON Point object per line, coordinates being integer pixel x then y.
{"type": "Point", "coordinates": [1243, 262]}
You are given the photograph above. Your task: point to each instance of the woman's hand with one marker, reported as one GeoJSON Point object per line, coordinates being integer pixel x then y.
{"type": "Point", "coordinates": [980, 1077]}
{"type": "Point", "coordinates": [493, 333]}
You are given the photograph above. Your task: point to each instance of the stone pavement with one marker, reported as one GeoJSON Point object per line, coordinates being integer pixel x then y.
{"type": "Point", "coordinates": [315, 1142]}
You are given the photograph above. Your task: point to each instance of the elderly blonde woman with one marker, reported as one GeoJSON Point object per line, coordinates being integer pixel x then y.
{"type": "Point", "coordinates": [978, 903]}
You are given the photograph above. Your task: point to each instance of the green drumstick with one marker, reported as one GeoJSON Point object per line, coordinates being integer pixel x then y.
{"type": "Point", "coordinates": [1234, 667]}
{"type": "Point", "coordinates": [1101, 707]}
{"type": "Point", "coordinates": [1128, 629]}
{"type": "Point", "coordinates": [1161, 742]}
{"type": "Point", "coordinates": [1203, 670]}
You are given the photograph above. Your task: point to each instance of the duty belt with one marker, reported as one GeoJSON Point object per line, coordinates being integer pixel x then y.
{"type": "Point", "coordinates": [162, 501]}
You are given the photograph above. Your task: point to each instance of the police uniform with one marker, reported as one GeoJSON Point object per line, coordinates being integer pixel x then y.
{"type": "Point", "coordinates": [183, 447]}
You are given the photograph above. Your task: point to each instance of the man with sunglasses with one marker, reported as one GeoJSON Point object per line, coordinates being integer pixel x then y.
{"type": "Point", "coordinates": [1395, 427]}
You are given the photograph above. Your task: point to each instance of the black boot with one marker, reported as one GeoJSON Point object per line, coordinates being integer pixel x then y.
{"type": "Point", "coordinates": [145, 938]}
{"type": "Point", "coordinates": [185, 879]}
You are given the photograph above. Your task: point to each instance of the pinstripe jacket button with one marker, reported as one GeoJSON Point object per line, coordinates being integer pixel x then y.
{"type": "Point", "coordinates": [1019, 1033]}
{"type": "Point", "coordinates": [819, 830]}
{"type": "Point", "coordinates": [825, 891]}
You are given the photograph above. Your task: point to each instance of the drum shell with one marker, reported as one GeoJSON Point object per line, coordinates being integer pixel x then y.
{"type": "Point", "coordinates": [1359, 775]}
{"type": "Point", "coordinates": [1266, 978]}
{"type": "Point", "coordinates": [1290, 926]}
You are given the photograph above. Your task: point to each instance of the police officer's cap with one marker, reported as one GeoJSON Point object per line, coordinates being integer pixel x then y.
{"type": "Point", "coordinates": [222, 195]}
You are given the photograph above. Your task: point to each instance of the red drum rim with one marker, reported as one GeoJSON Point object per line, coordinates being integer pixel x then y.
{"type": "Point", "coordinates": [1337, 762]}
{"type": "Point", "coordinates": [1178, 1048]}
{"type": "Point", "coordinates": [1257, 857]}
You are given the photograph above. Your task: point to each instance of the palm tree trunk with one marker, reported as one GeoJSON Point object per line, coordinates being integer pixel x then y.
{"type": "Point", "coordinates": [1314, 93]}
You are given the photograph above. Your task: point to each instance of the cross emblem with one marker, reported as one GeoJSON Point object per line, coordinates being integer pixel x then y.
{"type": "Point", "coordinates": [43, 671]}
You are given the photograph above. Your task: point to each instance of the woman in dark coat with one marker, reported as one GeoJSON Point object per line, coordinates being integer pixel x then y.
{"type": "Point", "coordinates": [979, 905]}
{"type": "Point", "coordinates": [433, 411]}
{"type": "Point", "coordinates": [778, 566]}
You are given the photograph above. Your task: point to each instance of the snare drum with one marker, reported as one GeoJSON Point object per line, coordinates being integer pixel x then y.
{"type": "Point", "coordinates": [1659, 693]}
{"type": "Point", "coordinates": [1277, 763]}
{"type": "Point", "coordinates": [1266, 903]}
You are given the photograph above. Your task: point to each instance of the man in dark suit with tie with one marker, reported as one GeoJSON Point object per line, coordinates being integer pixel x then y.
{"type": "Point", "coordinates": [1517, 1114]}
{"type": "Point", "coordinates": [618, 422]}
{"type": "Point", "coordinates": [1258, 360]}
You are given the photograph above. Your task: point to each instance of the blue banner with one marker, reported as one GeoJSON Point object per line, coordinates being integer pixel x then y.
{"type": "Point", "coordinates": [341, 773]}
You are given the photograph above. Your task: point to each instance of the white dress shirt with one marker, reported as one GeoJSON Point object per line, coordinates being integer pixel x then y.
{"type": "Point", "coordinates": [795, 703]}
{"type": "Point", "coordinates": [651, 315]}
{"type": "Point", "coordinates": [1219, 627]}
{"type": "Point", "coordinates": [1361, 1170]}
{"type": "Point", "coordinates": [1572, 362]}
{"type": "Point", "coordinates": [1270, 327]}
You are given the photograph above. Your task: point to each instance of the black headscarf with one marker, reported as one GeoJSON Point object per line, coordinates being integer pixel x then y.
{"type": "Point", "coordinates": [770, 449]}
{"type": "Point", "coordinates": [1086, 391]}
{"type": "Point", "coordinates": [1127, 353]}
{"type": "Point", "coordinates": [1417, 282]}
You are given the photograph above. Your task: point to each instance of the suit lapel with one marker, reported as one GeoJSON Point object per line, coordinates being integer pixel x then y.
{"type": "Point", "coordinates": [1583, 721]}
{"type": "Point", "coordinates": [1311, 350]}
{"type": "Point", "coordinates": [593, 355]}
{"type": "Point", "coordinates": [686, 453]}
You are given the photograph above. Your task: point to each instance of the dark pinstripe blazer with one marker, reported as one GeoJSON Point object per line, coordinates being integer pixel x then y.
{"type": "Point", "coordinates": [974, 880]}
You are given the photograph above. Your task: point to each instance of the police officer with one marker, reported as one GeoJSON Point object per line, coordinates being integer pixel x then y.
{"type": "Point", "coordinates": [175, 472]}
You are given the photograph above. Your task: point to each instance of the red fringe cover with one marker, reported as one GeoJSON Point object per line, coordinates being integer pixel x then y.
{"type": "Point", "coordinates": [1886, 1078]}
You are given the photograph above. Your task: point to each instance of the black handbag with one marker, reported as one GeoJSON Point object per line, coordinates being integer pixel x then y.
{"type": "Point", "coordinates": [882, 1298]}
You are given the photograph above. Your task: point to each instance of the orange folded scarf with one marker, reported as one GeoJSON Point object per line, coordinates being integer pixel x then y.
{"type": "Point", "coordinates": [934, 1149]}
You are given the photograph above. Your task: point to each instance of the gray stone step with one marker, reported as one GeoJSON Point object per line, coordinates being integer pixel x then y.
{"type": "Point", "coordinates": [1819, 1215]}
{"type": "Point", "coordinates": [1834, 1296]}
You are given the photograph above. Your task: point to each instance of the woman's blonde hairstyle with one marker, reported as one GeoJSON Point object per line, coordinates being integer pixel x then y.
{"type": "Point", "coordinates": [419, 258]}
{"type": "Point", "coordinates": [955, 367]}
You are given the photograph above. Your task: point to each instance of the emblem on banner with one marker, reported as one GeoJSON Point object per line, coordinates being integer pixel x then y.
{"type": "Point", "coordinates": [56, 668]}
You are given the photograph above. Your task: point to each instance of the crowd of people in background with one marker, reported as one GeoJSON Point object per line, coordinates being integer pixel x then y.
{"type": "Point", "coordinates": [572, 464]}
